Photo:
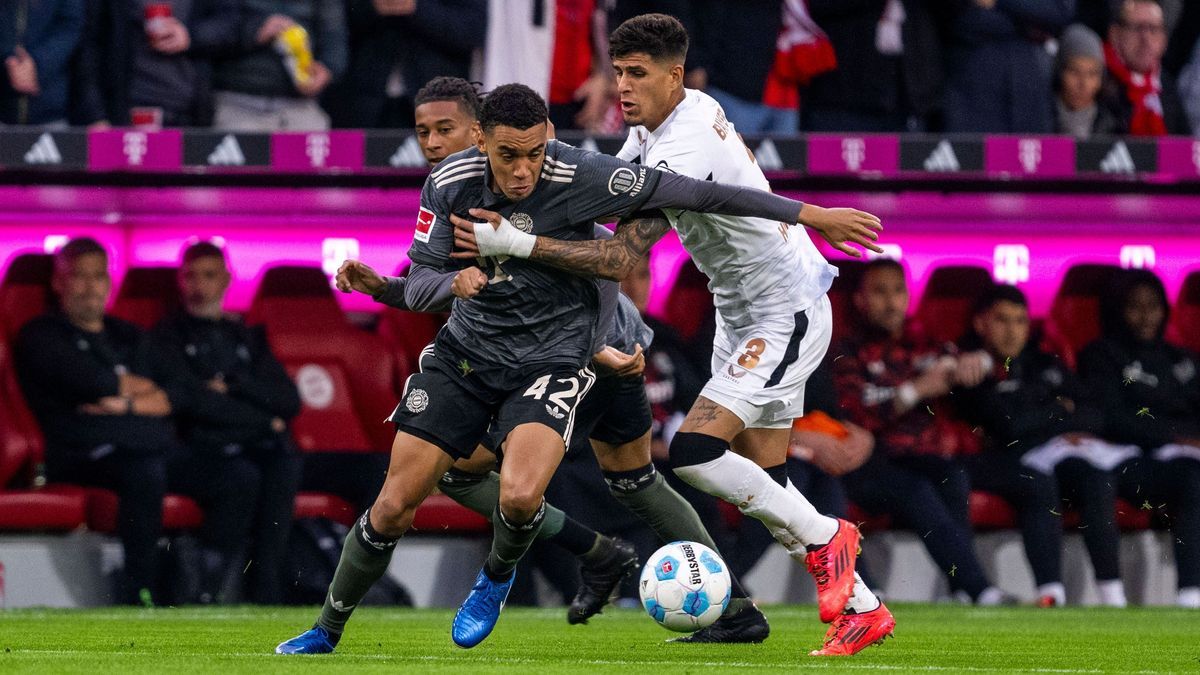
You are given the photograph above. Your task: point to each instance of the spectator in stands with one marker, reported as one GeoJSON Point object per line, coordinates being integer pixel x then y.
{"type": "Point", "coordinates": [103, 403]}
{"type": "Point", "coordinates": [161, 64]}
{"type": "Point", "coordinates": [1149, 395]}
{"type": "Point", "coordinates": [274, 82]}
{"type": "Point", "coordinates": [1040, 423]}
{"type": "Point", "coordinates": [999, 70]}
{"type": "Point", "coordinates": [36, 43]}
{"type": "Point", "coordinates": [1189, 89]}
{"type": "Point", "coordinates": [888, 379]}
{"type": "Point", "coordinates": [889, 67]}
{"type": "Point", "coordinates": [1078, 76]}
{"type": "Point", "coordinates": [237, 422]}
{"type": "Point", "coordinates": [1144, 98]}
{"type": "Point", "coordinates": [396, 46]}
{"type": "Point", "coordinates": [563, 57]}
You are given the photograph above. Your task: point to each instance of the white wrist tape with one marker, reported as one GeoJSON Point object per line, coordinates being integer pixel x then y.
{"type": "Point", "coordinates": [503, 240]}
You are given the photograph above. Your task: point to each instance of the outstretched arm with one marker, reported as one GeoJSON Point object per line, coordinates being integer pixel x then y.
{"type": "Point", "coordinates": [611, 259]}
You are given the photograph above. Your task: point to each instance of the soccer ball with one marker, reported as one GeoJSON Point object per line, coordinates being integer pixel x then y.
{"type": "Point", "coordinates": [685, 586]}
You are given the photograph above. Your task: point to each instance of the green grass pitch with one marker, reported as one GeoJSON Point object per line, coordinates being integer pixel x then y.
{"type": "Point", "coordinates": [939, 638]}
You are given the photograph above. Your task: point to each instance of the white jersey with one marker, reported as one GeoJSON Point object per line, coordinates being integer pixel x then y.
{"type": "Point", "coordinates": [756, 268]}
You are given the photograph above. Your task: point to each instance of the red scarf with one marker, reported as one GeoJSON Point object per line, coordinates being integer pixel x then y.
{"type": "Point", "coordinates": [1143, 91]}
{"type": "Point", "coordinates": [802, 51]}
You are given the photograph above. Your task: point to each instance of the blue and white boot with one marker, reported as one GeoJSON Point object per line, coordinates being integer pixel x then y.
{"type": "Point", "coordinates": [480, 611]}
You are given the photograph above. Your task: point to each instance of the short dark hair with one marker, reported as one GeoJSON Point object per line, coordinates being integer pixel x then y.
{"type": "Point", "coordinates": [202, 249]}
{"type": "Point", "coordinates": [999, 293]}
{"type": "Point", "coordinates": [512, 105]}
{"type": "Point", "coordinates": [1117, 294]}
{"type": "Point", "coordinates": [456, 89]}
{"type": "Point", "coordinates": [77, 248]}
{"type": "Point", "coordinates": [659, 36]}
{"type": "Point", "coordinates": [878, 264]}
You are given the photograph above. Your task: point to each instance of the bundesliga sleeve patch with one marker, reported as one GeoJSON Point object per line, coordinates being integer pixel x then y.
{"type": "Point", "coordinates": [425, 222]}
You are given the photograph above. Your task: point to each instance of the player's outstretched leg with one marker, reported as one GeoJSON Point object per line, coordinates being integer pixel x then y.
{"type": "Point", "coordinates": [414, 470]}
{"type": "Point", "coordinates": [706, 462]}
{"type": "Point", "coordinates": [603, 561]}
{"type": "Point", "coordinates": [865, 622]}
{"type": "Point", "coordinates": [644, 492]}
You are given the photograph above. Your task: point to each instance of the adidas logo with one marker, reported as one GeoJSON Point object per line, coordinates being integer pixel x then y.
{"type": "Point", "coordinates": [43, 151]}
{"type": "Point", "coordinates": [942, 158]}
{"type": "Point", "coordinates": [227, 153]}
{"type": "Point", "coordinates": [408, 154]}
{"type": "Point", "coordinates": [1118, 160]}
{"type": "Point", "coordinates": [767, 156]}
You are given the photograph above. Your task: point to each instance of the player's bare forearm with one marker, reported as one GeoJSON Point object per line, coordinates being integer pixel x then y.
{"type": "Point", "coordinates": [613, 259]}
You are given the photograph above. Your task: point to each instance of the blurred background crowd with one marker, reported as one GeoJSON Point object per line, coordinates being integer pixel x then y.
{"type": "Point", "coordinates": [1078, 67]}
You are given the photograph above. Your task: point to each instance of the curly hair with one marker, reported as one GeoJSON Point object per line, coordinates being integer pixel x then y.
{"type": "Point", "coordinates": [512, 105]}
{"type": "Point", "coordinates": [660, 36]}
{"type": "Point", "coordinates": [456, 89]}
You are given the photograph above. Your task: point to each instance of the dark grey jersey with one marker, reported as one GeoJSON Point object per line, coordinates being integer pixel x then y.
{"type": "Point", "coordinates": [528, 313]}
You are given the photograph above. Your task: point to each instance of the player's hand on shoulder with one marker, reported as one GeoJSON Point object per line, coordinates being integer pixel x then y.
{"type": "Point", "coordinates": [468, 283]}
{"type": "Point", "coordinates": [614, 361]}
{"type": "Point", "coordinates": [358, 276]}
{"type": "Point", "coordinates": [843, 227]}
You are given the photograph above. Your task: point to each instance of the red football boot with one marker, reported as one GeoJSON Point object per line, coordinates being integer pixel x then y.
{"type": "Point", "coordinates": [832, 566]}
{"type": "Point", "coordinates": [852, 633]}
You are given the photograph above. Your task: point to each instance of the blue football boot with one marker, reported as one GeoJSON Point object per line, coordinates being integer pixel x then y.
{"type": "Point", "coordinates": [479, 612]}
{"type": "Point", "coordinates": [316, 640]}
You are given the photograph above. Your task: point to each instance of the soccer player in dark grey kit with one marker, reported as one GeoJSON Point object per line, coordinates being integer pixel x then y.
{"type": "Point", "coordinates": [517, 351]}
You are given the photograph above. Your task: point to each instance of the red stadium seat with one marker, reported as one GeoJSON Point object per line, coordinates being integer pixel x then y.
{"type": "Point", "coordinates": [944, 312]}
{"type": "Point", "coordinates": [324, 505]}
{"type": "Point", "coordinates": [296, 298]}
{"type": "Point", "coordinates": [1185, 318]}
{"type": "Point", "coordinates": [1074, 318]}
{"type": "Point", "coordinates": [55, 508]}
{"type": "Point", "coordinates": [841, 296]}
{"type": "Point", "coordinates": [690, 303]}
{"type": "Point", "coordinates": [991, 512]}
{"type": "Point", "coordinates": [179, 512]}
{"type": "Point", "coordinates": [25, 292]}
{"type": "Point", "coordinates": [147, 294]}
{"type": "Point", "coordinates": [441, 515]}
{"type": "Point", "coordinates": [406, 334]}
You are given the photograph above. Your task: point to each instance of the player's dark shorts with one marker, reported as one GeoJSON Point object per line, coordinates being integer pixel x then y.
{"type": "Point", "coordinates": [452, 405]}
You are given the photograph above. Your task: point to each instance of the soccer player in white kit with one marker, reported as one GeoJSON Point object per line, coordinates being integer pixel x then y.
{"type": "Point", "coordinates": [773, 317]}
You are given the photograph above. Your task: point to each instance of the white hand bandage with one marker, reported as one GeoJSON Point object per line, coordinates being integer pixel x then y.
{"type": "Point", "coordinates": [503, 240]}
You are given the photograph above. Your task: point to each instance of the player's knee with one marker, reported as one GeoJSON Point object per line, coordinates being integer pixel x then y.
{"type": "Point", "coordinates": [519, 503]}
{"type": "Point", "coordinates": [391, 515]}
{"type": "Point", "coordinates": [690, 449]}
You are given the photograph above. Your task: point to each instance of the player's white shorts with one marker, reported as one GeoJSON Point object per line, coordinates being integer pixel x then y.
{"type": "Point", "coordinates": [758, 372]}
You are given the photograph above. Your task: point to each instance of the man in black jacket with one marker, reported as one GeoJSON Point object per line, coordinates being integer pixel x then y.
{"type": "Point", "coordinates": [163, 65]}
{"type": "Point", "coordinates": [242, 399]}
{"type": "Point", "coordinates": [103, 403]}
{"type": "Point", "coordinates": [1040, 422]}
{"type": "Point", "coordinates": [1149, 395]}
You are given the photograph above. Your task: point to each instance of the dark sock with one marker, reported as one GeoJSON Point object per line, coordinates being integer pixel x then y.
{"type": "Point", "coordinates": [481, 492]}
{"type": "Point", "coordinates": [644, 492]}
{"type": "Point", "coordinates": [574, 537]}
{"type": "Point", "coordinates": [510, 542]}
{"type": "Point", "coordinates": [365, 558]}
{"type": "Point", "coordinates": [778, 473]}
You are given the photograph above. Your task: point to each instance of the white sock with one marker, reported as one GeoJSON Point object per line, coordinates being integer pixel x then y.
{"type": "Point", "coordinates": [1188, 598]}
{"type": "Point", "coordinates": [862, 600]}
{"type": "Point", "coordinates": [1112, 593]}
{"type": "Point", "coordinates": [1055, 591]}
{"type": "Point", "coordinates": [991, 597]}
{"type": "Point", "coordinates": [791, 519]}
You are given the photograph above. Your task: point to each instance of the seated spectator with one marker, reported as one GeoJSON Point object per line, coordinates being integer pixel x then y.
{"type": "Point", "coordinates": [236, 427]}
{"type": "Point", "coordinates": [1040, 422]}
{"type": "Point", "coordinates": [161, 65]}
{"type": "Point", "coordinates": [889, 67]}
{"type": "Point", "coordinates": [1149, 395]}
{"type": "Point", "coordinates": [1142, 96]}
{"type": "Point", "coordinates": [998, 69]}
{"type": "Point", "coordinates": [888, 378]}
{"type": "Point", "coordinates": [274, 82]}
{"type": "Point", "coordinates": [1078, 76]}
{"type": "Point", "coordinates": [397, 46]}
{"type": "Point", "coordinates": [36, 43]}
{"type": "Point", "coordinates": [103, 404]}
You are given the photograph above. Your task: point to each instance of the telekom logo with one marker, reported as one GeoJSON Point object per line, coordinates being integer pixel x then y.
{"type": "Point", "coordinates": [854, 151]}
{"type": "Point", "coordinates": [1010, 263]}
{"type": "Point", "coordinates": [316, 146]}
{"type": "Point", "coordinates": [890, 251]}
{"type": "Point", "coordinates": [133, 144]}
{"type": "Point", "coordinates": [1029, 151]}
{"type": "Point", "coordinates": [334, 251]}
{"type": "Point", "coordinates": [1137, 256]}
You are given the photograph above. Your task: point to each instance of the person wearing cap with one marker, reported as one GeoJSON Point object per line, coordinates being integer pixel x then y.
{"type": "Point", "coordinates": [1078, 77]}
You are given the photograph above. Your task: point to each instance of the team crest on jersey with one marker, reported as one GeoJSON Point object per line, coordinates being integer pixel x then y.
{"type": "Point", "coordinates": [522, 221]}
{"type": "Point", "coordinates": [417, 401]}
{"type": "Point", "coordinates": [425, 223]}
